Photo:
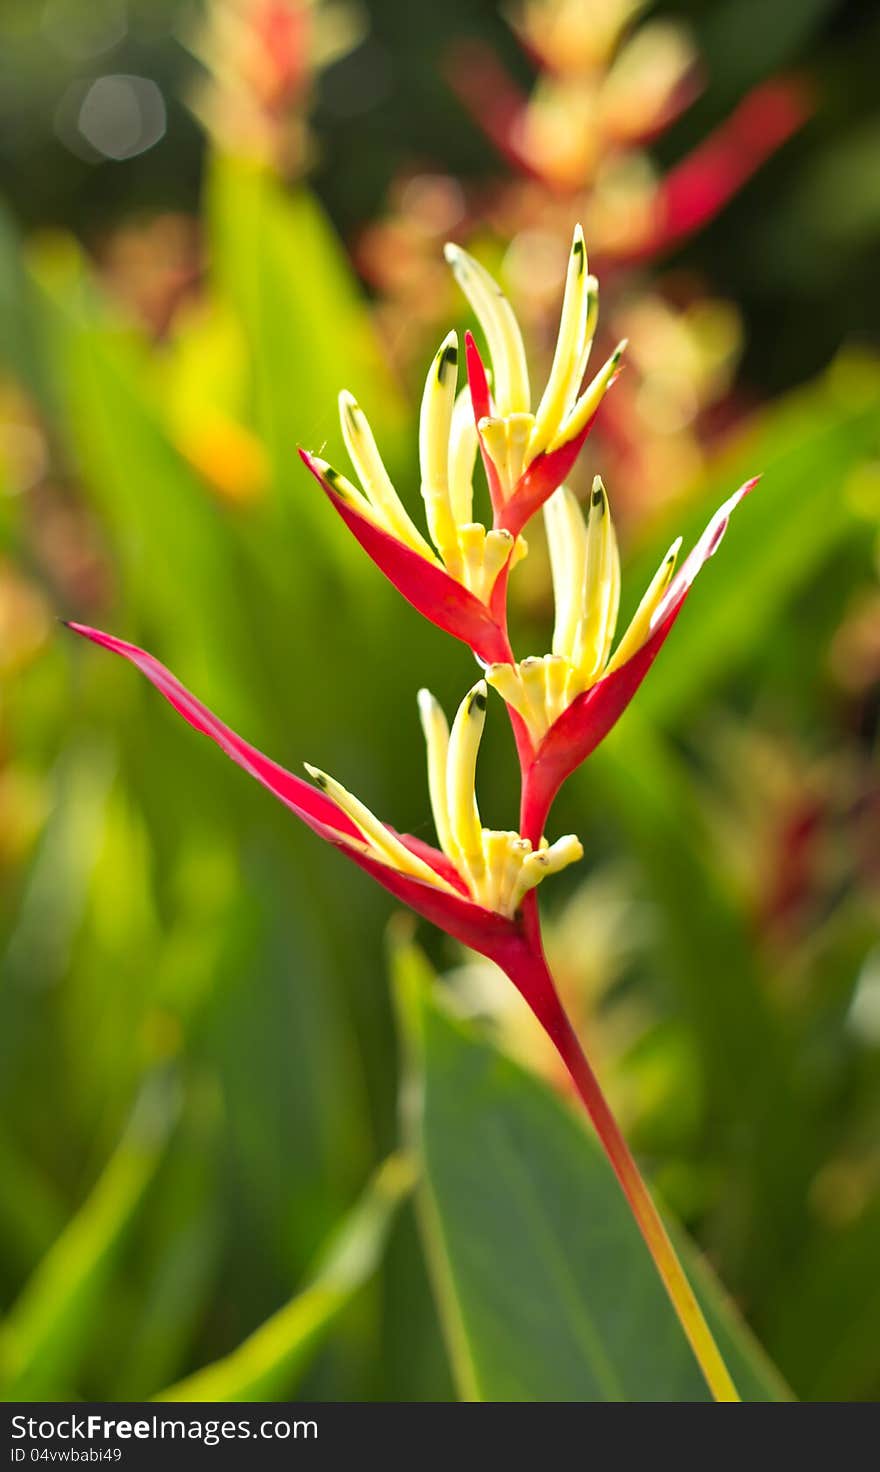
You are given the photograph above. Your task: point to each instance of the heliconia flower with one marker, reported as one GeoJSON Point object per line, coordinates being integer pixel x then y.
{"type": "Point", "coordinates": [566, 36]}
{"type": "Point", "coordinates": [699, 187]}
{"type": "Point", "coordinates": [479, 884]}
{"type": "Point", "coordinates": [458, 578]}
{"type": "Point", "coordinates": [455, 579]}
{"type": "Point", "coordinates": [570, 698]}
{"type": "Point", "coordinates": [499, 868]}
{"type": "Point", "coordinates": [471, 887]}
{"type": "Point", "coordinates": [527, 455]}
{"type": "Point", "coordinates": [261, 58]}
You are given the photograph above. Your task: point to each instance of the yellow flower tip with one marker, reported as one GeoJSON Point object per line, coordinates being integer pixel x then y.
{"type": "Point", "coordinates": [350, 412]}
{"type": "Point", "coordinates": [579, 250]}
{"type": "Point", "coordinates": [381, 843]}
{"type": "Point", "coordinates": [334, 478]}
{"type": "Point", "coordinates": [496, 318]}
{"type": "Point", "coordinates": [476, 701]}
{"type": "Point", "coordinates": [592, 291]}
{"type": "Point", "coordinates": [599, 504]}
{"type": "Point", "coordinates": [446, 360]}
{"type": "Point", "coordinates": [431, 715]}
{"type": "Point", "coordinates": [569, 849]}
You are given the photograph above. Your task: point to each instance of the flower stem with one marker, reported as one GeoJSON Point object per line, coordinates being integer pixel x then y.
{"type": "Point", "coordinates": [540, 991]}
{"type": "Point", "coordinates": [648, 1218]}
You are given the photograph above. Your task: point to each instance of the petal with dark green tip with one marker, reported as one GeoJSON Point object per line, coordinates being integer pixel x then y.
{"type": "Point", "coordinates": [483, 930]}
{"type": "Point", "coordinates": [541, 478]}
{"type": "Point", "coordinates": [426, 585]}
{"type": "Point", "coordinates": [589, 718]}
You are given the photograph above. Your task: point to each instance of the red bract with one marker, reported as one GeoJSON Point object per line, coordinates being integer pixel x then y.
{"type": "Point", "coordinates": [483, 930]}
{"type": "Point", "coordinates": [589, 718]}
{"type": "Point", "coordinates": [430, 590]}
{"type": "Point", "coordinates": [541, 477]}
{"type": "Point", "coordinates": [700, 186]}
{"type": "Point", "coordinates": [481, 399]}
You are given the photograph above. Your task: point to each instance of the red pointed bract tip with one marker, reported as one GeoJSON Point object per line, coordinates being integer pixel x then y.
{"type": "Point", "coordinates": [590, 717]}
{"type": "Point", "coordinates": [540, 479]}
{"type": "Point", "coordinates": [699, 187]}
{"type": "Point", "coordinates": [481, 400]}
{"type": "Point", "coordinates": [483, 930]}
{"type": "Point", "coordinates": [426, 585]}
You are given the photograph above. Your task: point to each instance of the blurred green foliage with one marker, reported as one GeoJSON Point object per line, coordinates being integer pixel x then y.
{"type": "Point", "coordinates": [198, 1069]}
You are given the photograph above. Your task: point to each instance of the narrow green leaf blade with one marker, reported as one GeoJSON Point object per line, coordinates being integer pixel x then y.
{"type": "Point", "coordinates": [808, 449]}
{"type": "Point", "coordinates": [269, 1363]}
{"type": "Point", "coordinates": [544, 1283]}
{"type": "Point", "coordinates": [47, 1331]}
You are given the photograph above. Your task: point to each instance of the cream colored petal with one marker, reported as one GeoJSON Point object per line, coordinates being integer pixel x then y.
{"type": "Point", "coordinates": [461, 766]}
{"type": "Point", "coordinates": [344, 489]}
{"type": "Point", "coordinates": [384, 843]}
{"type": "Point", "coordinates": [463, 445]}
{"type": "Point", "coordinates": [589, 400]}
{"type": "Point", "coordinates": [639, 628]}
{"type": "Point", "coordinates": [518, 850]}
{"type": "Point", "coordinates": [555, 677]}
{"type": "Point", "coordinates": [498, 548]}
{"type": "Point", "coordinates": [601, 586]}
{"type": "Point", "coordinates": [435, 423]}
{"type": "Point", "coordinates": [374, 478]}
{"type": "Point", "coordinates": [564, 380]}
{"type": "Point", "coordinates": [436, 732]}
{"type": "Point", "coordinates": [587, 345]}
{"type": "Point", "coordinates": [567, 546]}
{"type": "Point", "coordinates": [495, 315]}
{"type": "Point", "coordinates": [472, 540]}
{"type": "Point", "coordinates": [532, 679]}
{"type": "Point", "coordinates": [505, 679]}
{"type": "Point", "coordinates": [536, 866]}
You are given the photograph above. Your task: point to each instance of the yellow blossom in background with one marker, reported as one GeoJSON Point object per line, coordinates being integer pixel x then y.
{"type": "Point", "coordinates": [260, 59]}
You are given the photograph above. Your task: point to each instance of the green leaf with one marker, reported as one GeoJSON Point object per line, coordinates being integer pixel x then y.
{"type": "Point", "coordinates": [21, 350]}
{"type": "Point", "coordinates": [269, 1363]}
{"type": "Point", "coordinates": [47, 1331]}
{"type": "Point", "coordinates": [279, 261]}
{"type": "Point", "coordinates": [545, 1286]}
{"type": "Point", "coordinates": [808, 451]}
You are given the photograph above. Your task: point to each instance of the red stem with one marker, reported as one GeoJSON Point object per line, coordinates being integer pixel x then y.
{"type": "Point", "coordinates": [530, 973]}
{"type": "Point", "coordinates": [526, 965]}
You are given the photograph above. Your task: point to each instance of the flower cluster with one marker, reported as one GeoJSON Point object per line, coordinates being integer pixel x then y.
{"type": "Point", "coordinates": [479, 884]}
{"type": "Point", "coordinates": [476, 883]}
{"type": "Point", "coordinates": [261, 58]}
{"type": "Point", "coordinates": [579, 144]}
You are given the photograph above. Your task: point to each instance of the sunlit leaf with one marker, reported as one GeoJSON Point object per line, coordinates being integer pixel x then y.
{"type": "Point", "coordinates": [278, 259]}
{"type": "Point", "coordinates": [805, 449]}
{"type": "Point", "coordinates": [47, 1330]}
{"type": "Point", "coordinates": [269, 1363]}
{"type": "Point", "coordinates": [544, 1283]}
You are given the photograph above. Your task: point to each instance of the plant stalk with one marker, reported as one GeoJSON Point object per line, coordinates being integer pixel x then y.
{"type": "Point", "coordinates": [540, 992]}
